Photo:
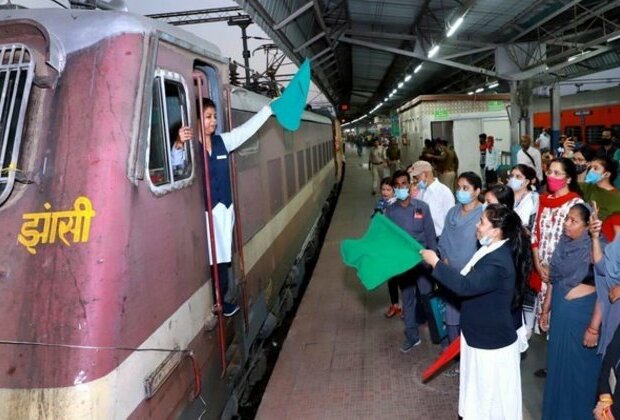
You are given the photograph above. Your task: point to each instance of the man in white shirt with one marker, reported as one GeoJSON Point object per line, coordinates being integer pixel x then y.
{"type": "Point", "coordinates": [438, 196]}
{"type": "Point", "coordinates": [530, 156]}
{"type": "Point", "coordinates": [544, 140]}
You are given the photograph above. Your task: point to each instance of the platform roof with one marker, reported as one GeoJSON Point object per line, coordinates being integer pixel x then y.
{"type": "Point", "coordinates": [363, 49]}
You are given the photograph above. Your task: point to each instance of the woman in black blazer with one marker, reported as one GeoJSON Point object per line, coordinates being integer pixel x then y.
{"type": "Point", "coordinates": [490, 285]}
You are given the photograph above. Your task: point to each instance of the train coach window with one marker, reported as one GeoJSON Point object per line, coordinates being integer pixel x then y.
{"type": "Point", "coordinates": [170, 161]}
{"type": "Point", "coordinates": [593, 133]}
{"type": "Point", "coordinates": [16, 74]}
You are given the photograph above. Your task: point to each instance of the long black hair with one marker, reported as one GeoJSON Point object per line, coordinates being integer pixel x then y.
{"type": "Point", "coordinates": [504, 194]}
{"type": "Point", "coordinates": [509, 223]}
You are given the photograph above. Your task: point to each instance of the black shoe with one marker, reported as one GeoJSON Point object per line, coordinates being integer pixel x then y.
{"type": "Point", "coordinates": [230, 309]}
{"type": "Point", "coordinates": [541, 373]}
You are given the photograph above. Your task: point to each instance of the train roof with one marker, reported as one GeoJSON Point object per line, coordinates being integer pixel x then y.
{"type": "Point", "coordinates": [246, 100]}
{"type": "Point", "coordinates": [79, 29]}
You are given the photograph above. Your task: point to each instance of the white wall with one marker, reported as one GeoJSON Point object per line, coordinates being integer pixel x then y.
{"type": "Point", "coordinates": [465, 133]}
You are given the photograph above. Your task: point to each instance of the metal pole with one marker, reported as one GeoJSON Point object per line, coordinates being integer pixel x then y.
{"type": "Point", "coordinates": [216, 277]}
{"type": "Point", "coordinates": [246, 52]}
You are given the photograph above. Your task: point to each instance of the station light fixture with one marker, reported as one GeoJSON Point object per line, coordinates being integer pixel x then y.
{"type": "Point", "coordinates": [479, 90]}
{"type": "Point", "coordinates": [493, 85]}
{"type": "Point", "coordinates": [614, 38]}
{"type": "Point", "coordinates": [401, 84]}
{"type": "Point", "coordinates": [407, 78]}
{"type": "Point", "coordinates": [433, 51]}
{"type": "Point", "coordinates": [576, 56]}
{"type": "Point", "coordinates": [394, 91]}
{"type": "Point", "coordinates": [454, 27]}
{"type": "Point", "coordinates": [385, 99]}
{"type": "Point", "coordinates": [417, 69]}
{"type": "Point", "coordinates": [471, 92]}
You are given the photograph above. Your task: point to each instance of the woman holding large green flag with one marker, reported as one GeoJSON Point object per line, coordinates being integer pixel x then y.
{"type": "Point", "coordinates": [491, 284]}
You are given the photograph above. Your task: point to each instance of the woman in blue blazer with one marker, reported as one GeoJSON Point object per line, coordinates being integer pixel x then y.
{"type": "Point", "coordinates": [490, 286]}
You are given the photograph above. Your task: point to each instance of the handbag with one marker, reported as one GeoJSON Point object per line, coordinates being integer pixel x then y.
{"type": "Point", "coordinates": [435, 309]}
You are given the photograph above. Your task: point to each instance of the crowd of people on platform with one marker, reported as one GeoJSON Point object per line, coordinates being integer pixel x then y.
{"type": "Point", "coordinates": [536, 251]}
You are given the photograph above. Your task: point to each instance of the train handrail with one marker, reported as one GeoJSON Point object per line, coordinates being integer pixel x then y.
{"type": "Point", "coordinates": [238, 226]}
{"type": "Point", "coordinates": [198, 79]}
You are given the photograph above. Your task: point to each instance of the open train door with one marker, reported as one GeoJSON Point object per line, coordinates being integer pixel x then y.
{"type": "Point", "coordinates": [202, 91]}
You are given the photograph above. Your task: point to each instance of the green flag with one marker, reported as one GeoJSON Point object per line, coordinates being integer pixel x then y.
{"type": "Point", "coordinates": [384, 251]}
{"type": "Point", "coordinates": [289, 107]}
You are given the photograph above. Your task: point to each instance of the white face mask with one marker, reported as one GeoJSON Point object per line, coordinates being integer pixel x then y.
{"type": "Point", "coordinates": [515, 184]}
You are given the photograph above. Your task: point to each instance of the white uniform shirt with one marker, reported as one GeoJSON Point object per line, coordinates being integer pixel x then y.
{"type": "Point", "coordinates": [543, 141]}
{"type": "Point", "coordinates": [440, 200]}
{"type": "Point", "coordinates": [535, 154]}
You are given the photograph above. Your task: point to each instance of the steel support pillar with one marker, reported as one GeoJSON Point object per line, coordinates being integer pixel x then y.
{"type": "Point", "coordinates": [555, 116]}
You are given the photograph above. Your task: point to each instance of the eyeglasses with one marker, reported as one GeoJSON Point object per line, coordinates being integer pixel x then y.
{"type": "Point", "coordinates": [555, 174]}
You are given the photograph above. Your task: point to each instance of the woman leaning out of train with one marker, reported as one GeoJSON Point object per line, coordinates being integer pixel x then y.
{"type": "Point", "coordinates": [457, 243]}
{"type": "Point", "coordinates": [492, 283]}
{"type": "Point", "coordinates": [218, 147]}
{"type": "Point", "coordinates": [607, 272]}
{"type": "Point", "coordinates": [570, 303]}
{"type": "Point", "coordinates": [599, 186]}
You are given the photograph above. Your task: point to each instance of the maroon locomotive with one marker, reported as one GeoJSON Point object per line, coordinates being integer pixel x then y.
{"type": "Point", "coordinates": [105, 289]}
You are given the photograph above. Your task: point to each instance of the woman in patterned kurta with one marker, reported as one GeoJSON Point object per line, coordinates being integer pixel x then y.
{"type": "Point", "coordinates": [554, 206]}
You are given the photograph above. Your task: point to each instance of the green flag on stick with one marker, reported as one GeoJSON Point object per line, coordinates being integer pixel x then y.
{"type": "Point", "coordinates": [289, 107]}
{"type": "Point", "coordinates": [383, 252]}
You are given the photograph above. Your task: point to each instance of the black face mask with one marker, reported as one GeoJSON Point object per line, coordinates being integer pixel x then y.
{"type": "Point", "coordinates": [581, 168]}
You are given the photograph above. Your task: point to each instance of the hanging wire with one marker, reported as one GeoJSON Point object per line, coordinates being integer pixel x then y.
{"type": "Point", "coordinates": [64, 6]}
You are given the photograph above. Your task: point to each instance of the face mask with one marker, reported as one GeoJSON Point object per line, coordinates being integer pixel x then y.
{"type": "Point", "coordinates": [464, 197]}
{"type": "Point", "coordinates": [581, 168]}
{"type": "Point", "coordinates": [401, 193]}
{"type": "Point", "coordinates": [484, 206]}
{"type": "Point", "coordinates": [555, 184]}
{"type": "Point", "coordinates": [485, 241]}
{"type": "Point", "coordinates": [593, 177]}
{"type": "Point", "coordinates": [422, 185]}
{"type": "Point", "coordinates": [515, 184]}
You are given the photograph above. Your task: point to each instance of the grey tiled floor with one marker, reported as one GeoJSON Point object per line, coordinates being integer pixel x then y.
{"type": "Point", "coordinates": [341, 358]}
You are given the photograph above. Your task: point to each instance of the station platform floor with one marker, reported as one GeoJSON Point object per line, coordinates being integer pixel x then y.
{"type": "Point", "coordinates": [341, 358]}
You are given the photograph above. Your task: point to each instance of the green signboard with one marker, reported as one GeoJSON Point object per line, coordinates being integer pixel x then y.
{"type": "Point", "coordinates": [395, 125]}
{"type": "Point", "coordinates": [441, 114]}
{"type": "Point", "coordinates": [495, 106]}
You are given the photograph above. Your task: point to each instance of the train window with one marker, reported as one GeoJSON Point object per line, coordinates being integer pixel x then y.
{"type": "Point", "coordinates": [289, 165]}
{"type": "Point", "coordinates": [537, 131]}
{"type": "Point", "coordinates": [309, 168]}
{"type": "Point", "coordinates": [170, 162]}
{"type": "Point", "coordinates": [301, 170]}
{"type": "Point", "coordinates": [573, 131]}
{"type": "Point", "coordinates": [593, 133]}
{"type": "Point", "coordinates": [16, 73]}
{"type": "Point", "coordinates": [315, 157]}
{"type": "Point", "coordinates": [274, 174]}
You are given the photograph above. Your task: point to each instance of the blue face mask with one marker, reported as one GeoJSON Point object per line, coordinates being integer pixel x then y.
{"type": "Point", "coordinates": [515, 184]}
{"type": "Point", "coordinates": [485, 241]}
{"type": "Point", "coordinates": [401, 193]}
{"type": "Point", "coordinates": [593, 177]}
{"type": "Point", "coordinates": [422, 185]}
{"type": "Point", "coordinates": [464, 197]}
